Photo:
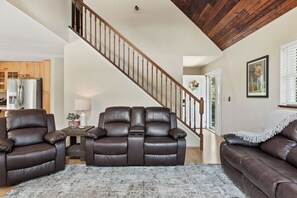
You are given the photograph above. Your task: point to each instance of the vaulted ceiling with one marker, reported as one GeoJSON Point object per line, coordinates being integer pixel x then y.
{"type": "Point", "coordinates": [226, 22]}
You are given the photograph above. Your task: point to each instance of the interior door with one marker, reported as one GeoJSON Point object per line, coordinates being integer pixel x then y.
{"type": "Point", "coordinates": [196, 84]}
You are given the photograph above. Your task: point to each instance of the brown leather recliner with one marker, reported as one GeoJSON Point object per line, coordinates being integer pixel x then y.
{"type": "Point", "coordinates": [136, 136]}
{"type": "Point", "coordinates": [107, 144]}
{"type": "Point", "coordinates": [30, 146]}
{"type": "Point", "coordinates": [268, 169]}
{"type": "Point", "coordinates": [164, 143]}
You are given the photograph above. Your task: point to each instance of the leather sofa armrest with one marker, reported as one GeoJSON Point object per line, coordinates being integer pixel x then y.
{"type": "Point", "coordinates": [96, 133]}
{"type": "Point", "coordinates": [137, 129]}
{"type": "Point", "coordinates": [6, 145]}
{"type": "Point", "coordinates": [177, 133]}
{"type": "Point", "coordinates": [55, 136]}
{"type": "Point", "coordinates": [233, 139]}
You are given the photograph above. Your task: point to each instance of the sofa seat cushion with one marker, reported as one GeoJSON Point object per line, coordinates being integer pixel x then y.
{"type": "Point", "coordinates": [111, 145]}
{"type": "Point", "coordinates": [160, 145]}
{"type": "Point", "coordinates": [263, 176]}
{"type": "Point", "coordinates": [160, 160]}
{"type": "Point", "coordinates": [280, 166]}
{"type": "Point", "coordinates": [110, 160]}
{"type": "Point", "coordinates": [234, 154]}
{"type": "Point", "coordinates": [32, 155]}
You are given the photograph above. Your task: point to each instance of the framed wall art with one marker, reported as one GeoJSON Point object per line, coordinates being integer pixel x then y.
{"type": "Point", "coordinates": [257, 77]}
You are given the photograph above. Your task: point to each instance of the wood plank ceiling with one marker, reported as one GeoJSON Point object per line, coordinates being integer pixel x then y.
{"type": "Point", "coordinates": [226, 22]}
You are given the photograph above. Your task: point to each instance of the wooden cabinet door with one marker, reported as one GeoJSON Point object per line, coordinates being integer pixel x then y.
{"type": "Point", "coordinates": [44, 71]}
{"type": "Point", "coordinates": [2, 81]}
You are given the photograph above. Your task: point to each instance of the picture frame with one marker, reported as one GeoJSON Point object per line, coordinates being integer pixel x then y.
{"type": "Point", "coordinates": [257, 77]}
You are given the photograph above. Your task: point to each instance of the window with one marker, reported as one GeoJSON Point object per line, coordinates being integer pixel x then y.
{"type": "Point", "coordinates": [288, 74]}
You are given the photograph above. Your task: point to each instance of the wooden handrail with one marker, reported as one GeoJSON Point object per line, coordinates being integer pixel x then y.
{"type": "Point", "coordinates": [157, 74]}
{"type": "Point", "coordinates": [136, 48]}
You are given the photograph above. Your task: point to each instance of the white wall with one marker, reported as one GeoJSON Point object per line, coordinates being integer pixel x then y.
{"type": "Point", "coordinates": [57, 91]}
{"type": "Point", "coordinates": [192, 70]}
{"type": "Point", "coordinates": [53, 14]}
{"type": "Point", "coordinates": [89, 75]}
{"type": "Point", "coordinates": [244, 113]}
{"type": "Point", "coordinates": [159, 29]}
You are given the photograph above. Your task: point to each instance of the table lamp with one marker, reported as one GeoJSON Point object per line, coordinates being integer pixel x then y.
{"type": "Point", "coordinates": [82, 104]}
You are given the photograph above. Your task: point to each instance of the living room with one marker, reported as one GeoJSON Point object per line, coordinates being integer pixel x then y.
{"type": "Point", "coordinates": [165, 39]}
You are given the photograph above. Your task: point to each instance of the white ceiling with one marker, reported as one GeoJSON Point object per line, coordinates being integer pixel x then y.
{"type": "Point", "coordinates": [158, 26]}
{"type": "Point", "coordinates": [24, 39]}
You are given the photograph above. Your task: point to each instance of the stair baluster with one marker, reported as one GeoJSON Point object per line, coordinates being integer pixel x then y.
{"type": "Point", "coordinates": [169, 94]}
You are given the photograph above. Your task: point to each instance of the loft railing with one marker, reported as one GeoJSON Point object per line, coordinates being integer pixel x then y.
{"type": "Point", "coordinates": [137, 66]}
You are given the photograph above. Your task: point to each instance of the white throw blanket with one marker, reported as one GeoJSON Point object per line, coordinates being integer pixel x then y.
{"type": "Point", "coordinates": [275, 123]}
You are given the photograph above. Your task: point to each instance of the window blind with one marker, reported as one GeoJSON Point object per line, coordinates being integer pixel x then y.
{"type": "Point", "coordinates": [288, 74]}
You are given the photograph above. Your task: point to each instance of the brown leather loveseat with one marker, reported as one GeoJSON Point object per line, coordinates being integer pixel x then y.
{"type": "Point", "coordinates": [268, 169]}
{"type": "Point", "coordinates": [30, 146]}
{"type": "Point", "coordinates": [136, 136]}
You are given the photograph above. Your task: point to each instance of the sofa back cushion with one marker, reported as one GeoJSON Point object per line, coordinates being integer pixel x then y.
{"type": "Point", "coordinates": [291, 158]}
{"type": "Point", "coordinates": [157, 121]}
{"type": "Point", "coordinates": [27, 126]}
{"type": "Point", "coordinates": [137, 117]}
{"type": "Point", "coordinates": [117, 114]}
{"type": "Point", "coordinates": [117, 121]}
{"type": "Point", "coordinates": [279, 146]}
{"type": "Point", "coordinates": [290, 131]}
{"type": "Point", "coordinates": [3, 133]}
{"type": "Point", "coordinates": [27, 118]}
{"type": "Point", "coordinates": [27, 136]}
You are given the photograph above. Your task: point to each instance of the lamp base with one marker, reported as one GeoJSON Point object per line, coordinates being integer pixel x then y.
{"type": "Point", "coordinates": [83, 120]}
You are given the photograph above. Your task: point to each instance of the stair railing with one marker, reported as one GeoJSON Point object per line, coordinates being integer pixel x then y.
{"type": "Point", "coordinates": [137, 66]}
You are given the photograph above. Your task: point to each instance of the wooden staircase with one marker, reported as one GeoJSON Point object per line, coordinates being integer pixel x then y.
{"type": "Point", "coordinates": [143, 71]}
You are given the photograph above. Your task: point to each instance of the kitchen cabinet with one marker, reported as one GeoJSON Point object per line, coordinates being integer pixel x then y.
{"type": "Point", "coordinates": [39, 69]}
{"type": "Point", "coordinates": [4, 75]}
{"type": "Point", "coordinates": [2, 81]}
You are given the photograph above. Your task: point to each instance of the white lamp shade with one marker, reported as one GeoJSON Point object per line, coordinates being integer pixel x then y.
{"type": "Point", "coordinates": [82, 104]}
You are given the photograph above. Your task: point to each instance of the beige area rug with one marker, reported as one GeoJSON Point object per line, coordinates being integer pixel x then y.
{"type": "Point", "coordinates": [170, 181]}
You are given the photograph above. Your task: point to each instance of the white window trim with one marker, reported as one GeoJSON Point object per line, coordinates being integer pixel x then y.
{"type": "Point", "coordinates": [288, 74]}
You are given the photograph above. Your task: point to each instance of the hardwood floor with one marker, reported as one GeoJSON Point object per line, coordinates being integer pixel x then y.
{"type": "Point", "coordinates": [211, 152]}
{"type": "Point", "coordinates": [209, 155]}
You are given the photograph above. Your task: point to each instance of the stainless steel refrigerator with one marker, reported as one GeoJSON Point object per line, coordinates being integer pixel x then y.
{"type": "Point", "coordinates": [24, 93]}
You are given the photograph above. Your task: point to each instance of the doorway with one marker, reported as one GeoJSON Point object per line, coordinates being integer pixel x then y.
{"type": "Point", "coordinates": [199, 92]}
{"type": "Point", "coordinates": [214, 101]}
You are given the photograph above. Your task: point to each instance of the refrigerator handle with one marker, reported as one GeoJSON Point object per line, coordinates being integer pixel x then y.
{"type": "Point", "coordinates": [18, 95]}
{"type": "Point", "coordinates": [22, 95]}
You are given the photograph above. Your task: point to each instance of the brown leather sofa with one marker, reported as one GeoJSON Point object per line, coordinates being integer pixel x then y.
{"type": "Point", "coordinates": [30, 146]}
{"type": "Point", "coordinates": [136, 136]}
{"type": "Point", "coordinates": [268, 169]}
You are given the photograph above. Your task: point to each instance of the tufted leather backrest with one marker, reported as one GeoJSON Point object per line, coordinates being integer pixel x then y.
{"type": "Point", "coordinates": [137, 117]}
{"type": "Point", "coordinates": [157, 121]}
{"type": "Point", "coordinates": [284, 145]}
{"type": "Point", "coordinates": [26, 126]}
{"type": "Point", "coordinates": [117, 121]}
